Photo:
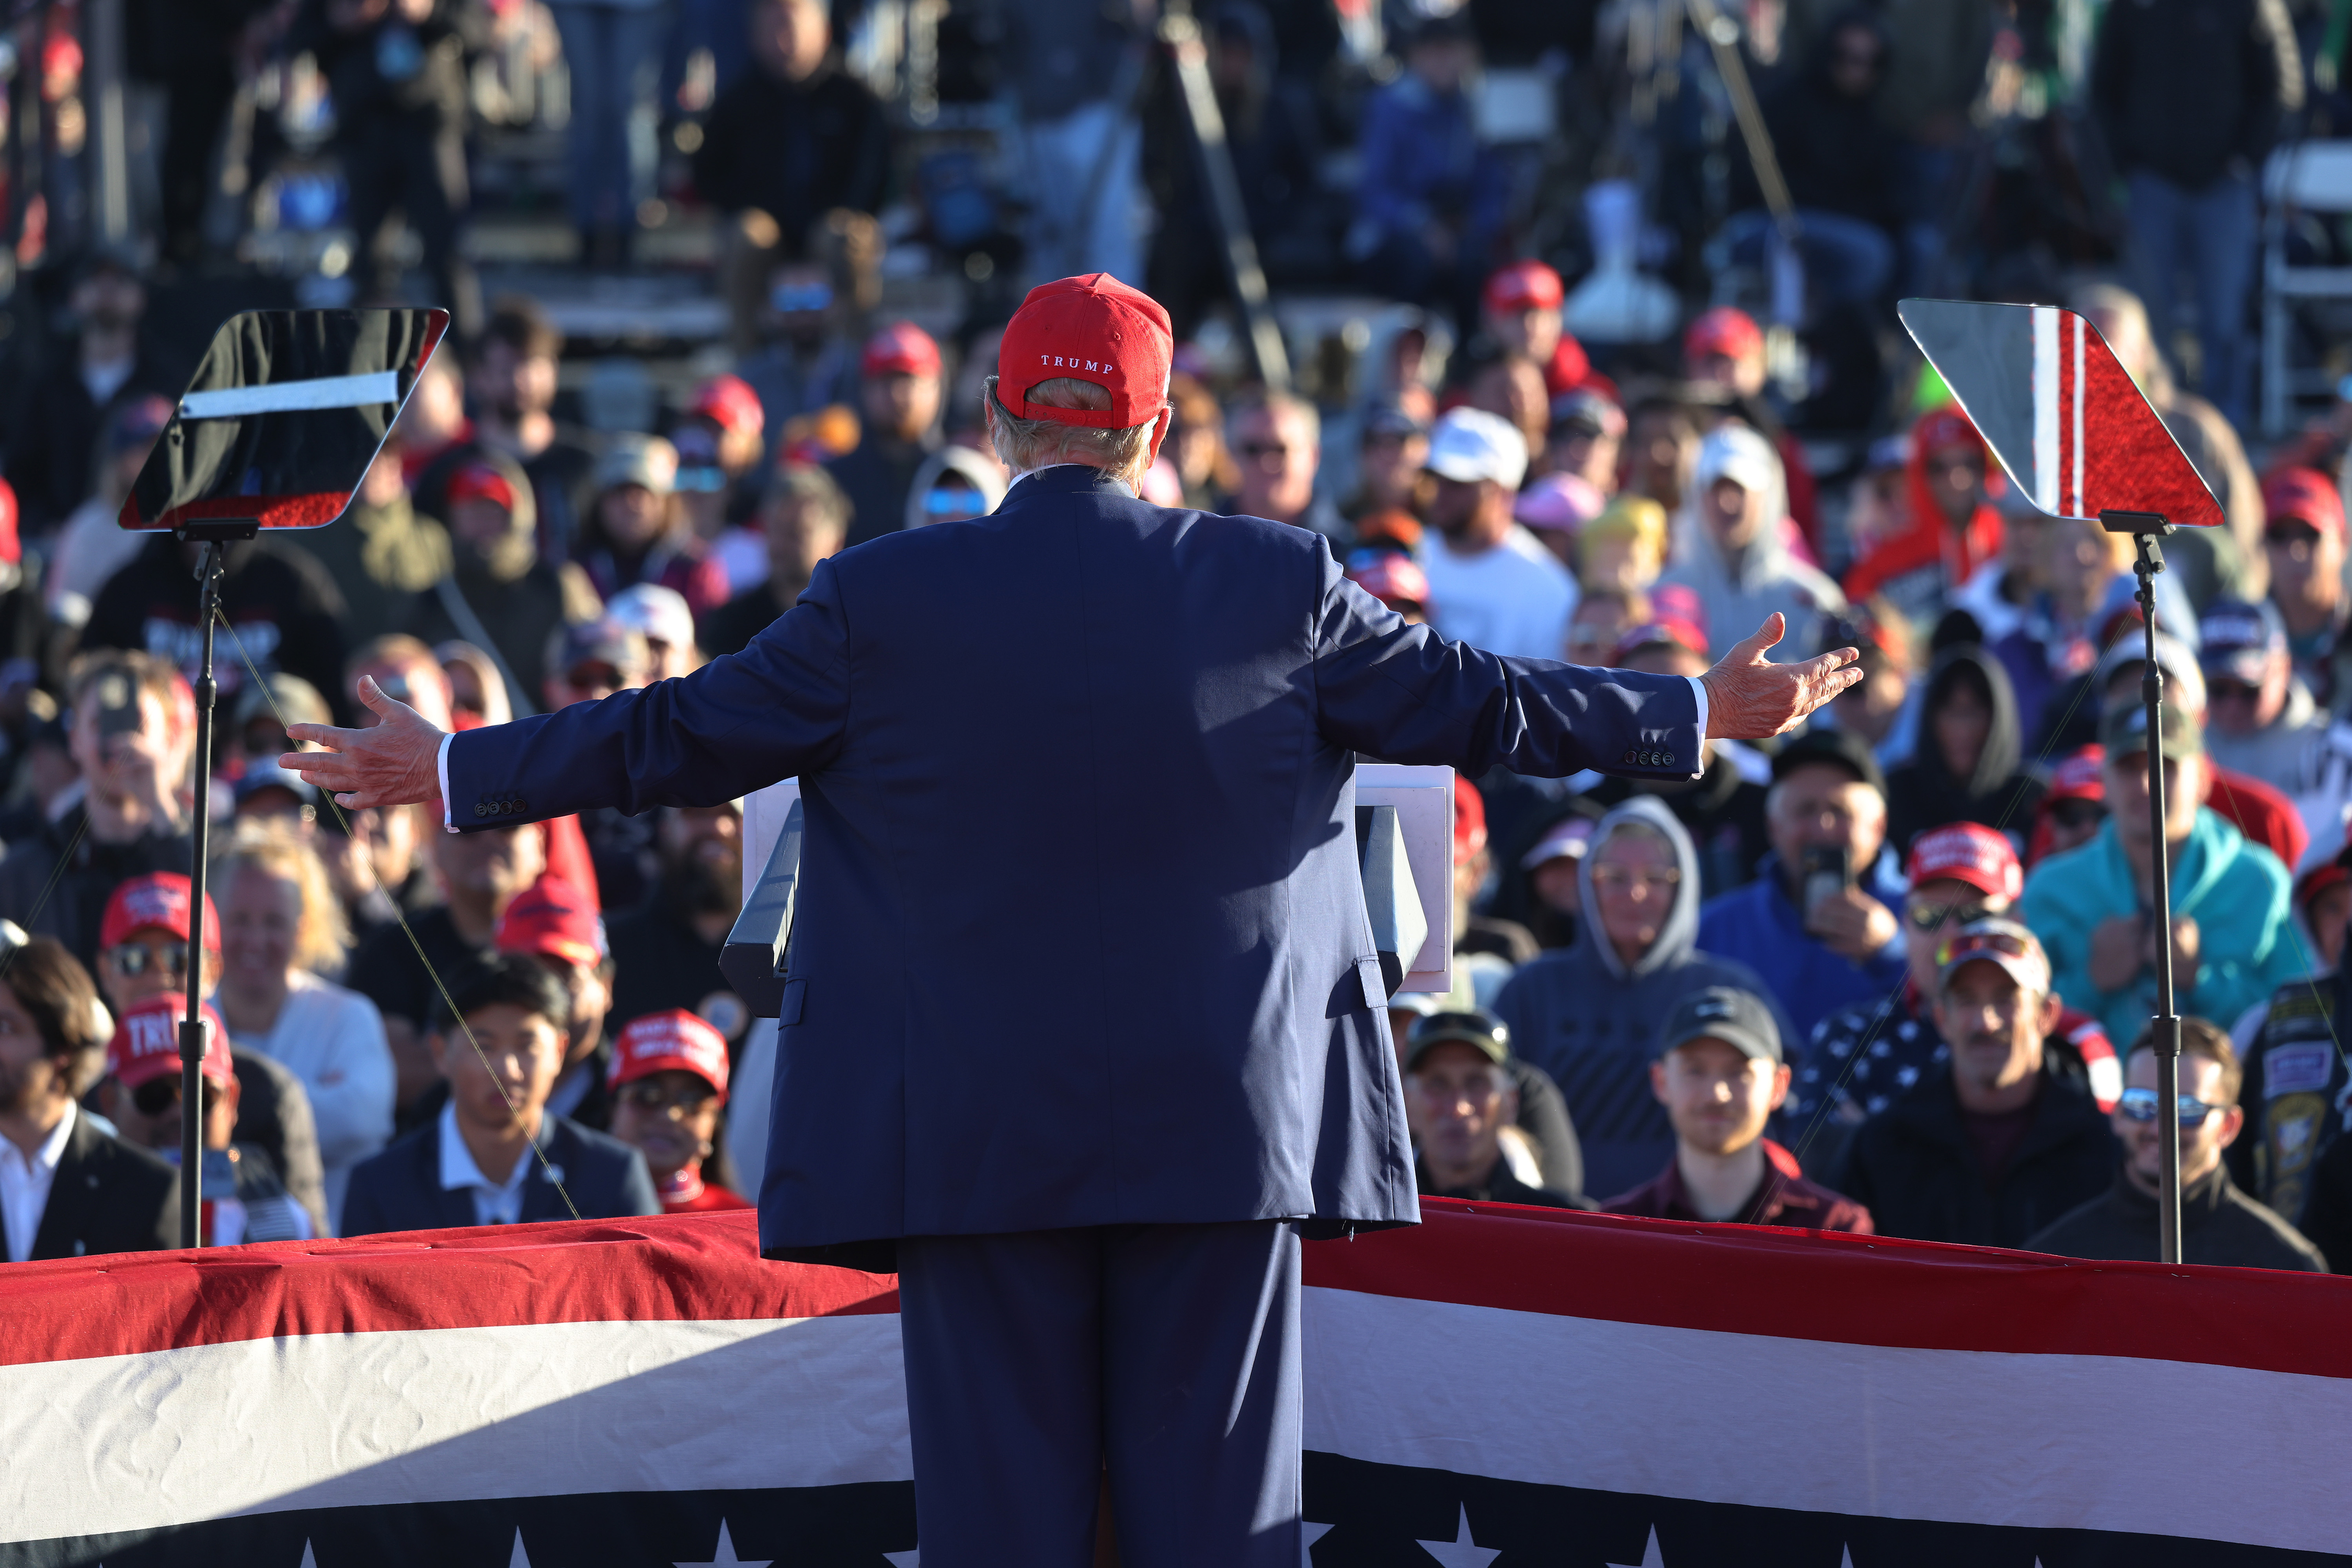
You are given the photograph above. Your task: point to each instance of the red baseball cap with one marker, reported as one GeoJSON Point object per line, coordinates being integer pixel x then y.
{"type": "Point", "coordinates": [146, 1043]}
{"type": "Point", "coordinates": [729, 402]}
{"type": "Point", "coordinates": [480, 482]}
{"type": "Point", "coordinates": [1970, 853]}
{"type": "Point", "coordinates": [158, 900]}
{"type": "Point", "coordinates": [1723, 331]}
{"type": "Point", "coordinates": [900, 347]}
{"type": "Point", "coordinates": [1665, 631]}
{"type": "Point", "coordinates": [1523, 285]}
{"type": "Point", "coordinates": [2081, 777]}
{"type": "Point", "coordinates": [1391, 577]}
{"type": "Point", "coordinates": [552, 918]}
{"type": "Point", "coordinates": [2306, 494]}
{"type": "Point", "coordinates": [1095, 329]}
{"type": "Point", "coordinates": [661, 1041]}
{"type": "Point", "coordinates": [1469, 820]}
{"type": "Point", "coordinates": [12, 549]}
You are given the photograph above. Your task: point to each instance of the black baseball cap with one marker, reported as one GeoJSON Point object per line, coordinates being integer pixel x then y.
{"type": "Point", "coordinates": [1738, 1019]}
{"type": "Point", "coordinates": [2123, 731]}
{"type": "Point", "coordinates": [1838, 748]}
{"type": "Point", "coordinates": [1474, 1026]}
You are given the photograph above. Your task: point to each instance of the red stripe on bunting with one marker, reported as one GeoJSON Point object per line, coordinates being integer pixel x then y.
{"type": "Point", "coordinates": [1787, 1284]}
{"type": "Point", "coordinates": [1849, 1290]}
{"type": "Point", "coordinates": [689, 1267]}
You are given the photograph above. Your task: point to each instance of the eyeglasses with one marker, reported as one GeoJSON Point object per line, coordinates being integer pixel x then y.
{"type": "Point", "coordinates": [1933, 916]}
{"type": "Point", "coordinates": [1256, 449]}
{"type": "Point", "coordinates": [649, 1094]}
{"type": "Point", "coordinates": [1617, 879]}
{"type": "Point", "coordinates": [2139, 1105]}
{"type": "Point", "coordinates": [133, 959]}
{"type": "Point", "coordinates": [2076, 815]}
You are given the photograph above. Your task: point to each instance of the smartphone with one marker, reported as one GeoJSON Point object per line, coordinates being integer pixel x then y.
{"type": "Point", "coordinates": [1827, 874]}
{"type": "Point", "coordinates": [118, 705]}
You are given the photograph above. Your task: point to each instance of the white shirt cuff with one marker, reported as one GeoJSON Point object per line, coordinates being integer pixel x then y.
{"type": "Point", "coordinates": [449, 811]}
{"type": "Point", "coordinates": [1699, 691]}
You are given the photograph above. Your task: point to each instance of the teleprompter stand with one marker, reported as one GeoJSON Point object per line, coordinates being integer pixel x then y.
{"type": "Point", "coordinates": [212, 563]}
{"type": "Point", "coordinates": [2164, 1029]}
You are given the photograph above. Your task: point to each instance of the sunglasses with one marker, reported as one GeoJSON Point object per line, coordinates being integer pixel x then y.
{"type": "Point", "coordinates": [646, 1095]}
{"type": "Point", "coordinates": [1984, 943]}
{"type": "Point", "coordinates": [2231, 691]}
{"type": "Point", "coordinates": [2139, 1105]}
{"type": "Point", "coordinates": [787, 299]}
{"type": "Point", "coordinates": [132, 959]}
{"type": "Point", "coordinates": [2075, 815]}
{"type": "Point", "coordinates": [158, 1095]}
{"type": "Point", "coordinates": [1932, 916]}
{"type": "Point", "coordinates": [1256, 449]}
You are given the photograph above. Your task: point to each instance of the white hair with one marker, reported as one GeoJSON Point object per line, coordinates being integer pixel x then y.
{"type": "Point", "coordinates": [1025, 445]}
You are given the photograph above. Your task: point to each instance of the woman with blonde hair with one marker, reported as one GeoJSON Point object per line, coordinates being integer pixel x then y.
{"type": "Point", "coordinates": [281, 926]}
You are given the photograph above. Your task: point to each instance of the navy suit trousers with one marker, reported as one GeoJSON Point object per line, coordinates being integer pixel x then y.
{"type": "Point", "coordinates": [1168, 1351]}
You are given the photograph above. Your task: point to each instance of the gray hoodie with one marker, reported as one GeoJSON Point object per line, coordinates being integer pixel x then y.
{"type": "Point", "coordinates": [1586, 1019]}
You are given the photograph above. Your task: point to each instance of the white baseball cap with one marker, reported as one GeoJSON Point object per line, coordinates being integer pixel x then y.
{"type": "Point", "coordinates": [1470, 445]}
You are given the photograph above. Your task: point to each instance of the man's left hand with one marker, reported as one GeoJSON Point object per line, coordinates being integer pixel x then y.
{"type": "Point", "coordinates": [1852, 924]}
{"type": "Point", "coordinates": [397, 763]}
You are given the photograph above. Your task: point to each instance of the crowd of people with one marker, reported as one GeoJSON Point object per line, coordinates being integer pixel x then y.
{"type": "Point", "coordinates": [1889, 974]}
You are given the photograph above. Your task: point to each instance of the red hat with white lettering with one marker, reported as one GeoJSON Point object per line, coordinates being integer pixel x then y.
{"type": "Point", "coordinates": [1093, 328]}
{"type": "Point", "coordinates": [659, 1042]}
{"type": "Point", "coordinates": [1970, 853]}
{"type": "Point", "coordinates": [159, 899]}
{"type": "Point", "coordinates": [146, 1043]}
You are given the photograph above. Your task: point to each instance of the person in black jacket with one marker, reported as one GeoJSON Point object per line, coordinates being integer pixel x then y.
{"type": "Point", "coordinates": [287, 612]}
{"type": "Point", "coordinates": [795, 136]}
{"type": "Point", "coordinates": [1850, 176]}
{"type": "Point", "coordinates": [1989, 1147]}
{"type": "Point", "coordinates": [66, 1189]}
{"type": "Point", "coordinates": [496, 1154]}
{"type": "Point", "coordinates": [1967, 765]}
{"type": "Point", "coordinates": [1460, 1097]}
{"type": "Point", "coordinates": [2192, 94]}
{"type": "Point", "coordinates": [2219, 1224]}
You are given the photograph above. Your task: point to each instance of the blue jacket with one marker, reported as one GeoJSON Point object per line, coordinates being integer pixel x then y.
{"type": "Point", "coordinates": [1762, 928]}
{"type": "Point", "coordinates": [2237, 892]}
{"type": "Point", "coordinates": [1081, 937]}
{"type": "Point", "coordinates": [400, 1189]}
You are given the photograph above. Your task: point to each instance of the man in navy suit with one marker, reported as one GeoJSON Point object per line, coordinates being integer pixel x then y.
{"type": "Point", "coordinates": [1120, 740]}
{"type": "Point", "coordinates": [497, 1155]}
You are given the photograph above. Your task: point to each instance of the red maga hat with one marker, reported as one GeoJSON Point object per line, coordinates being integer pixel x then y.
{"type": "Point", "coordinates": [1970, 853]}
{"type": "Point", "coordinates": [146, 1043]}
{"type": "Point", "coordinates": [480, 482]}
{"type": "Point", "coordinates": [1523, 285]}
{"type": "Point", "coordinates": [553, 919]}
{"type": "Point", "coordinates": [729, 402]}
{"type": "Point", "coordinates": [2307, 494]}
{"type": "Point", "coordinates": [1094, 329]}
{"type": "Point", "coordinates": [1723, 331]}
{"type": "Point", "coordinates": [661, 1041]}
{"type": "Point", "coordinates": [1391, 577]}
{"type": "Point", "coordinates": [158, 900]}
{"type": "Point", "coordinates": [901, 346]}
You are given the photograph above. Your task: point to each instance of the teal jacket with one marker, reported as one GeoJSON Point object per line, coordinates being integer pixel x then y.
{"type": "Point", "coordinates": [2236, 890]}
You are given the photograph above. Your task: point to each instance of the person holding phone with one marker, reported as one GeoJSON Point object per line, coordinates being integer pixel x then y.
{"type": "Point", "coordinates": [1819, 922]}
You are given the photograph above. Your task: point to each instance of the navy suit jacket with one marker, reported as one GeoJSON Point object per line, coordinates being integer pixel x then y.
{"type": "Point", "coordinates": [400, 1189]}
{"type": "Point", "coordinates": [1081, 935]}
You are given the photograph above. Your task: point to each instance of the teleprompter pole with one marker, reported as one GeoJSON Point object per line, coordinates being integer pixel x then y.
{"type": "Point", "coordinates": [2145, 528]}
{"type": "Point", "coordinates": [211, 564]}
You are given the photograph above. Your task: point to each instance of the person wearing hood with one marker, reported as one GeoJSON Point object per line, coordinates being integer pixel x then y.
{"type": "Point", "coordinates": [1732, 551]}
{"type": "Point", "coordinates": [2262, 719]}
{"type": "Point", "coordinates": [1953, 528]}
{"type": "Point", "coordinates": [1723, 809]}
{"type": "Point", "coordinates": [953, 484]}
{"type": "Point", "coordinates": [1819, 920]}
{"type": "Point", "coordinates": [637, 531]}
{"type": "Point", "coordinates": [498, 595]}
{"type": "Point", "coordinates": [1965, 767]}
{"type": "Point", "coordinates": [1588, 1015]}
{"type": "Point", "coordinates": [2232, 918]}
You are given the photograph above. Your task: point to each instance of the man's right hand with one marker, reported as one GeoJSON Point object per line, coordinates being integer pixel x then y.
{"type": "Point", "coordinates": [397, 763]}
{"type": "Point", "coordinates": [1749, 698]}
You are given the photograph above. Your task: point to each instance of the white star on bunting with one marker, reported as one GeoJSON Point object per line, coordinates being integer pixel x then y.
{"type": "Point", "coordinates": [1651, 1556]}
{"type": "Point", "coordinates": [310, 1558]}
{"type": "Point", "coordinates": [905, 1559]}
{"type": "Point", "coordinates": [724, 1557]}
{"type": "Point", "coordinates": [1309, 1535]}
{"type": "Point", "coordinates": [520, 1559]}
{"type": "Point", "coordinates": [1462, 1551]}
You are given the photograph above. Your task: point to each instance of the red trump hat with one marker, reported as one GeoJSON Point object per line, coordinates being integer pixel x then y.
{"type": "Point", "coordinates": [664, 1041]}
{"type": "Point", "coordinates": [1523, 285]}
{"type": "Point", "coordinates": [902, 347]}
{"type": "Point", "coordinates": [1970, 853]}
{"type": "Point", "coordinates": [159, 899]}
{"type": "Point", "coordinates": [1094, 329]}
{"type": "Point", "coordinates": [146, 1043]}
{"type": "Point", "coordinates": [552, 919]}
